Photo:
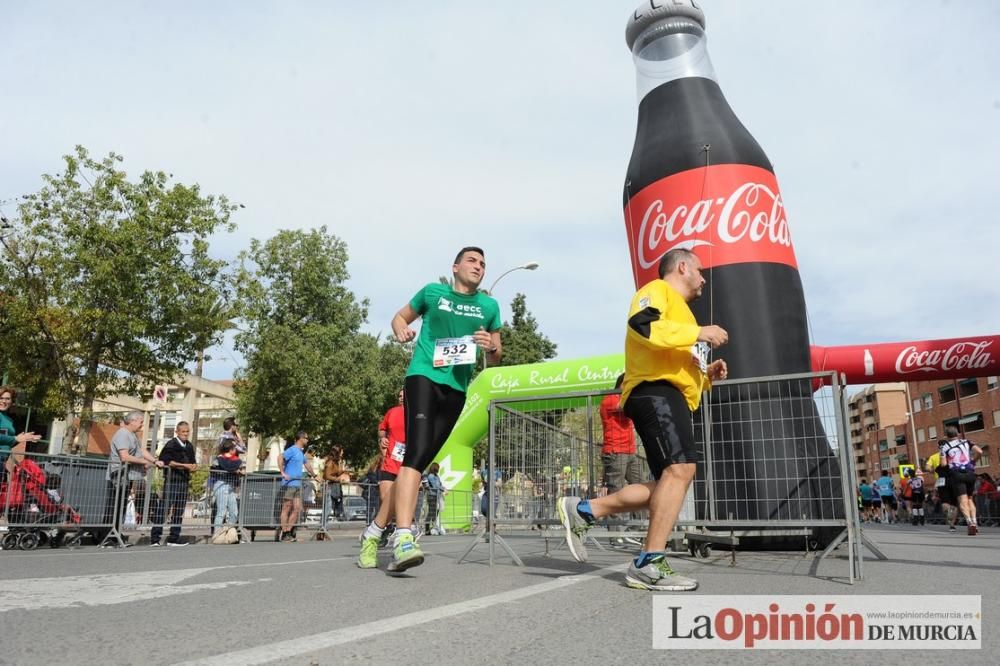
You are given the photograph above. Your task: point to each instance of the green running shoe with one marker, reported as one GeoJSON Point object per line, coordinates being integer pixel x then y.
{"type": "Point", "coordinates": [406, 554]}
{"type": "Point", "coordinates": [368, 559]}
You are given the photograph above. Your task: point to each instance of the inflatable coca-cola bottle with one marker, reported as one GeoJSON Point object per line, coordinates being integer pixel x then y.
{"type": "Point", "coordinates": [698, 180]}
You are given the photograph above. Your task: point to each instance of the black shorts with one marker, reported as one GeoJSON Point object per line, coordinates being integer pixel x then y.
{"type": "Point", "coordinates": [383, 475]}
{"type": "Point", "coordinates": [866, 503]}
{"type": "Point", "coordinates": [961, 483]}
{"type": "Point", "coordinates": [918, 498]}
{"type": "Point", "coordinates": [663, 420]}
{"type": "Point", "coordinates": [889, 501]}
{"type": "Point", "coordinates": [431, 411]}
{"type": "Point", "coordinates": [877, 501]}
{"type": "Point", "coordinates": [945, 494]}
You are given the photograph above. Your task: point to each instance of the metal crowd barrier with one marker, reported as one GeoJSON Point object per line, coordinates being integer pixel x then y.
{"type": "Point", "coordinates": [58, 500]}
{"type": "Point", "coordinates": [360, 501]}
{"type": "Point", "coordinates": [53, 500]}
{"type": "Point", "coordinates": [776, 466]}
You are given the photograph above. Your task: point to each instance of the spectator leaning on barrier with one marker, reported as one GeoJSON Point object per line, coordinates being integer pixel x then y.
{"type": "Point", "coordinates": [293, 467]}
{"type": "Point", "coordinates": [9, 439]}
{"type": "Point", "coordinates": [309, 484]}
{"type": "Point", "coordinates": [178, 457]}
{"type": "Point", "coordinates": [335, 473]}
{"type": "Point", "coordinates": [128, 461]}
{"type": "Point", "coordinates": [228, 468]}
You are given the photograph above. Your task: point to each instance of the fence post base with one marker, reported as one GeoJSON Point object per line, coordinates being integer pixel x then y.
{"type": "Point", "coordinates": [481, 537]}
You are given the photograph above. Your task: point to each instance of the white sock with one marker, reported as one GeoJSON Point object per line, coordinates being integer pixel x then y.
{"type": "Point", "coordinates": [400, 531]}
{"type": "Point", "coordinates": [374, 530]}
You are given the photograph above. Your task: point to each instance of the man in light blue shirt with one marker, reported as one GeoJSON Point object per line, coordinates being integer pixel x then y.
{"type": "Point", "coordinates": [888, 496]}
{"type": "Point", "coordinates": [292, 464]}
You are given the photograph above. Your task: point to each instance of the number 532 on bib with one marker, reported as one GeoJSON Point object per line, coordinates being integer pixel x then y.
{"type": "Point", "coordinates": [454, 351]}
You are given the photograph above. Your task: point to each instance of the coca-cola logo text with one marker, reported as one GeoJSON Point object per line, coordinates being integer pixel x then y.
{"type": "Point", "coordinates": [729, 213]}
{"type": "Point", "coordinates": [963, 355]}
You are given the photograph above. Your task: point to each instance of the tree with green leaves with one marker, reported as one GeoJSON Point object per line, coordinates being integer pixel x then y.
{"type": "Point", "coordinates": [308, 365]}
{"type": "Point", "coordinates": [522, 341]}
{"type": "Point", "coordinates": [107, 285]}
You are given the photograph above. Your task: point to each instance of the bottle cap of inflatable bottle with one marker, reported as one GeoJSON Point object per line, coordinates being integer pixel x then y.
{"type": "Point", "coordinates": [649, 13]}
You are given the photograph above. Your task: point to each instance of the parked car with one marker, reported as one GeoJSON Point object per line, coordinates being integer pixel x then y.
{"type": "Point", "coordinates": [355, 508]}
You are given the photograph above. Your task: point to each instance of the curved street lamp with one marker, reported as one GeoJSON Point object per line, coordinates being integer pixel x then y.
{"type": "Point", "coordinates": [529, 266]}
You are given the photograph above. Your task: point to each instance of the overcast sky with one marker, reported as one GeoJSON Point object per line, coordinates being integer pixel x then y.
{"type": "Point", "coordinates": [413, 130]}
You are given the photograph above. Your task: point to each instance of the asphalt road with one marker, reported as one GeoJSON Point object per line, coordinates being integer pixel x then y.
{"type": "Point", "coordinates": [307, 603]}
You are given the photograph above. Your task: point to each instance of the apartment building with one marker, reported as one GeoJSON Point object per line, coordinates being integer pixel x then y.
{"type": "Point", "coordinates": [877, 413]}
{"type": "Point", "coordinates": [973, 405]}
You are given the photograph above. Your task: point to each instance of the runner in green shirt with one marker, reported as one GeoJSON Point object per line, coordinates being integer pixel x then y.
{"type": "Point", "coordinates": [456, 322]}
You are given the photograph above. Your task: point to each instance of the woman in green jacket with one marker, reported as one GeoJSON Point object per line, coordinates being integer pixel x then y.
{"type": "Point", "coordinates": [9, 440]}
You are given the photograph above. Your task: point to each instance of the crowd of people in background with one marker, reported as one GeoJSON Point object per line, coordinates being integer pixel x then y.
{"type": "Point", "coordinates": [948, 488]}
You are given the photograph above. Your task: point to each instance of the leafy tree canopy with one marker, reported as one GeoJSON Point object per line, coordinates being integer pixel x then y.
{"type": "Point", "coordinates": [106, 283]}
{"type": "Point", "coordinates": [308, 365]}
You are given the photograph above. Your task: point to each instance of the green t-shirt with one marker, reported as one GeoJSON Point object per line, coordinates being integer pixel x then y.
{"type": "Point", "coordinates": [7, 433]}
{"type": "Point", "coordinates": [449, 314]}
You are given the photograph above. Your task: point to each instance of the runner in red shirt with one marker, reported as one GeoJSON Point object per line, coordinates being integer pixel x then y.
{"type": "Point", "coordinates": [392, 442]}
{"type": "Point", "coordinates": [621, 464]}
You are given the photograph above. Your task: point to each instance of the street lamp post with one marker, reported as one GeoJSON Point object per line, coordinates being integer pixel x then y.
{"type": "Point", "coordinates": [530, 266]}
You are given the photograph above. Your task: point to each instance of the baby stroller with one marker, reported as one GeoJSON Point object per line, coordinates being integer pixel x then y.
{"type": "Point", "coordinates": [31, 503]}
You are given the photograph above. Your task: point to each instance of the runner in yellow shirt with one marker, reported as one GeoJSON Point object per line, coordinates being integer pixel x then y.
{"type": "Point", "coordinates": [940, 473]}
{"type": "Point", "coordinates": [666, 370]}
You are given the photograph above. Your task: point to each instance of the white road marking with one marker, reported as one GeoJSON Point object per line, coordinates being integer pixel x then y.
{"type": "Point", "coordinates": [108, 589]}
{"type": "Point", "coordinates": [121, 588]}
{"type": "Point", "coordinates": [104, 589]}
{"type": "Point", "coordinates": [306, 644]}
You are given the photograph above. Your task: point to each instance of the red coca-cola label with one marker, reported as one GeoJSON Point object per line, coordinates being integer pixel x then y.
{"type": "Point", "coordinates": [960, 355]}
{"type": "Point", "coordinates": [726, 214]}
{"type": "Point", "coordinates": [955, 358]}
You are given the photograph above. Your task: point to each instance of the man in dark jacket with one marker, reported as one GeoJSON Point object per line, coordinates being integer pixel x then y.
{"type": "Point", "coordinates": [178, 457]}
